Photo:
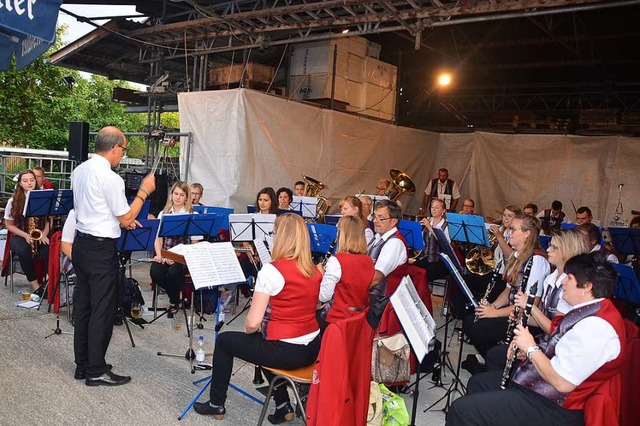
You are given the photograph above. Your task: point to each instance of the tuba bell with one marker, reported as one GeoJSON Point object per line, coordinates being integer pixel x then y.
{"type": "Point", "coordinates": [312, 188]}
{"type": "Point", "coordinates": [400, 183]}
{"type": "Point", "coordinates": [480, 260]}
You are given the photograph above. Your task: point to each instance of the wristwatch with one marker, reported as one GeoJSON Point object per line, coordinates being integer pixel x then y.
{"type": "Point", "coordinates": [531, 350]}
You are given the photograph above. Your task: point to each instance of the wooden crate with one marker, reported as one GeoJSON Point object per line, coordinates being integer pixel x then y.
{"type": "Point", "coordinates": [233, 74]}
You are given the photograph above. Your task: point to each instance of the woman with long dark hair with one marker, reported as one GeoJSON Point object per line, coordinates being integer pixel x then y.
{"type": "Point", "coordinates": [266, 201]}
{"type": "Point", "coordinates": [280, 330]}
{"type": "Point", "coordinates": [18, 225]}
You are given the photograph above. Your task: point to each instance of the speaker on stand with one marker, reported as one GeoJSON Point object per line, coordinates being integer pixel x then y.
{"type": "Point", "coordinates": [78, 141]}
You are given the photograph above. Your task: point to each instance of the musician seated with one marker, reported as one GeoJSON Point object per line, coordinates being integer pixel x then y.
{"type": "Point", "coordinates": [552, 218]}
{"type": "Point", "coordinates": [526, 267]}
{"type": "Point", "coordinates": [565, 244]}
{"type": "Point", "coordinates": [196, 191]}
{"type": "Point", "coordinates": [530, 209]}
{"type": "Point", "coordinates": [468, 206]}
{"type": "Point", "coordinates": [352, 206]}
{"type": "Point", "coordinates": [41, 181]}
{"type": "Point", "coordinates": [266, 201]}
{"type": "Point", "coordinates": [430, 259]}
{"type": "Point", "coordinates": [344, 289]}
{"type": "Point", "coordinates": [583, 215]}
{"type": "Point", "coordinates": [367, 206]}
{"type": "Point", "coordinates": [166, 273]}
{"type": "Point", "coordinates": [298, 188]}
{"type": "Point", "coordinates": [21, 244]}
{"type": "Point", "coordinates": [285, 197]}
{"type": "Point", "coordinates": [280, 330]}
{"type": "Point", "coordinates": [584, 350]}
{"type": "Point", "coordinates": [592, 236]}
{"type": "Point", "coordinates": [382, 186]}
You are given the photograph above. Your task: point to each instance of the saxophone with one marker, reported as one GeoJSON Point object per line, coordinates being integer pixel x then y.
{"type": "Point", "coordinates": [34, 233]}
{"type": "Point", "coordinates": [512, 325]}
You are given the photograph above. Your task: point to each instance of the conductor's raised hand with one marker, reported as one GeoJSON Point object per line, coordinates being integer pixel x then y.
{"type": "Point", "coordinates": [149, 183]}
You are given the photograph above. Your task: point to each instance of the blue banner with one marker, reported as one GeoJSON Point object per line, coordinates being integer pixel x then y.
{"type": "Point", "coordinates": [27, 50]}
{"type": "Point", "coordinates": [35, 18]}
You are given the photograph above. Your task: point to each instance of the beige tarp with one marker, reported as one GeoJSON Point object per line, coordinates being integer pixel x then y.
{"type": "Point", "coordinates": [245, 140]}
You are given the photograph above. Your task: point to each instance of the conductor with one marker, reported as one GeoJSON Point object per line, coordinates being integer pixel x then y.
{"type": "Point", "coordinates": [101, 209]}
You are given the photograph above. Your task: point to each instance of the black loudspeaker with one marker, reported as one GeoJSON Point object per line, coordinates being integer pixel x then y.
{"type": "Point", "coordinates": [158, 198]}
{"type": "Point", "coordinates": [78, 140]}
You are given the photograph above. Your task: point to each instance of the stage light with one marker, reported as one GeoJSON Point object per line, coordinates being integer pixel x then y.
{"type": "Point", "coordinates": [346, 30]}
{"type": "Point", "coordinates": [444, 79]}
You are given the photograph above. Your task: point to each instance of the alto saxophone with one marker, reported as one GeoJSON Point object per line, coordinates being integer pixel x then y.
{"type": "Point", "coordinates": [35, 234]}
{"type": "Point", "coordinates": [512, 325]}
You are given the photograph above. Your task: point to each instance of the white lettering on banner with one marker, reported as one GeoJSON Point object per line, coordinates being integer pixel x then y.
{"type": "Point", "coordinates": [30, 43]}
{"type": "Point", "coordinates": [18, 7]}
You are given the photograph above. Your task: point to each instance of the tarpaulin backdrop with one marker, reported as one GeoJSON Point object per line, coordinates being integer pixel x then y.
{"type": "Point", "coordinates": [245, 140]}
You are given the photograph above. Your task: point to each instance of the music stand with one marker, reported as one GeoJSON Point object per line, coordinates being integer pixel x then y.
{"type": "Point", "coordinates": [321, 237]}
{"type": "Point", "coordinates": [332, 219]}
{"type": "Point", "coordinates": [45, 203]}
{"type": "Point", "coordinates": [222, 211]}
{"type": "Point", "coordinates": [204, 224]}
{"type": "Point", "coordinates": [412, 233]}
{"type": "Point", "coordinates": [307, 206]}
{"type": "Point", "coordinates": [627, 288]}
{"type": "Point", "coordinates": [251, 208]}
{"type": "Point", "coordinates": [467, 228]}
{"type": "Point", "coordinates": [626, 240]}
{"type": "Point", "coordinates": [248, 227]}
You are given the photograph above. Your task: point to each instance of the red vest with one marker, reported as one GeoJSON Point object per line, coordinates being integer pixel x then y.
{"type": "Point", "coordinates": [293, 310]}
{"type": "Point", "coordinates": [352, 291]}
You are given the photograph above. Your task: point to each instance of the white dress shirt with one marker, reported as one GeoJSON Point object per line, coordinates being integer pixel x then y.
{"type": "Point", "coordinates": [392, 255]}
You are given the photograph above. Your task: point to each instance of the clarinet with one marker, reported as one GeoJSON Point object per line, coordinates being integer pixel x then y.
{"type": "Point", "coordinates": [327, 255]}
{"type": "Point", "coordinates": [514, 352]}
{"type": "Point", "coordinates": [485, 298]}
{"type": "Point", "coordinates": [511, 324]}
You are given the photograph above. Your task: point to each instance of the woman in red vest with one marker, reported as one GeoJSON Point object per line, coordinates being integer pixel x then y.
{"type": "Point", "coordinates": [345, 285]}
{"type": "Point", "coordinates": [280, 330]}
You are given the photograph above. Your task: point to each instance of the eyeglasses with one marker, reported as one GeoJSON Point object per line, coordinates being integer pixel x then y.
{"type": "Point", "coordinates": [553, 246]}
{"type": "Point", "coordinates": [381, 219]}
{"type": "Point", "coordinates": [513, 228]}
{"type": "Point", "coordinates": [124, 149]}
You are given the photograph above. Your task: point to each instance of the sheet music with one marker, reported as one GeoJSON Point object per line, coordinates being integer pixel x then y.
{"type": "Point", "coordinates": [179, 249]}
{"type": "Point", "coordinates": [213, 264]}
{"type": "Point", "coordinates": [414, 316]}
{"type": "Point", "coordinates": [263, 253]}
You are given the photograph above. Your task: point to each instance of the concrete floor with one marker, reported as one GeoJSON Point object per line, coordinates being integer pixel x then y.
{"type": "Point", "coordinates": [38, 385]}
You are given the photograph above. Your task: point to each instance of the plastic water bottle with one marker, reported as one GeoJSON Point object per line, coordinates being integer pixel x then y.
{"type": "Point", "coordinates": [200, 350]}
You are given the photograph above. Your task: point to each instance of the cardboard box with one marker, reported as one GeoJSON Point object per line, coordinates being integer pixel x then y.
{"type": "Point", "coordinates": [355, 68]}
{"type": "Point", "coordinates": [380, 73]}
{"type": "Point", "coordinates": [314, 58]}
{"type": "Point", "coordinates": [355, 94]}
{"type": "Point", "coordinates": [373, 50]}
{"type": "Point", "coordinates": [317, 86]}
{"type": "Point", "coordinates": [233, 73]}
{"type": "Point", "coordinates": [358, 46]}
{"type": "Point", "coordinates": [380, 99]}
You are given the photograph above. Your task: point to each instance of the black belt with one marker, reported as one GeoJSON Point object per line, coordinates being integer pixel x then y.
{"type": "Point", "coordinates": [93, 237]}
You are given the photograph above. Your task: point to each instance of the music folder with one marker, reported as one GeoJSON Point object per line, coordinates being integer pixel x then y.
{"type": "Point", "coordinates": [321, 236]}
{"type": "Point", "coordinates": [212, 264]}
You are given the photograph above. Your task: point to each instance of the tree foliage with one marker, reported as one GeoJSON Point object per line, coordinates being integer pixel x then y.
{"type": "Point", "coordinates": [36, 106]}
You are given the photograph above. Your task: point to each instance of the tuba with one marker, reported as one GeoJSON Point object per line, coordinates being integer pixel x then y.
{"type": "Point", "coordinates": [480, 260]}
{"type": "Point", "coordinates": [34, 233]}
{"type": "Point", "coordinates": [312, 188]}
{"type": "Point", "coordinates": [400, 183]}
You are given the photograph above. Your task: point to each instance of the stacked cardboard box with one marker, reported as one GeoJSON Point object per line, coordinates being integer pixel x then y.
{"type": "Point", "coordinates": [361, 80]}
{"type": "Point", "coordinates": [230, 74]}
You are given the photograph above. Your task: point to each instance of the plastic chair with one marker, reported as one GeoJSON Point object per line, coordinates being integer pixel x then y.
{"type": "Point", "coordinates": [294, 378]}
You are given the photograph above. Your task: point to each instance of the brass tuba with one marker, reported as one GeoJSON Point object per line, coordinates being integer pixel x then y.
{"type": "Point", "coordinates": [400, 183]}
{"type": "Point", "coordinates": [480, 260]}
{"type": "Point", "coordinates": [34, 233]}
{"type": "Point", "coordinates": [312, 188]}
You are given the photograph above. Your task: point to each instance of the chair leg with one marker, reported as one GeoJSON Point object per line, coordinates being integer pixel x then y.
{"type": "Point", "coordinates": [155, 300]}
{"type": "Point", "coordinates": [274, 383]}
{"type": "Point", "coordinates": [265, 406]}
{"type": "Point", "coordinates": [11, 271]}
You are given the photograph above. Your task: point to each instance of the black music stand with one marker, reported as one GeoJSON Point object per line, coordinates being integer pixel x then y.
{"type": "Point", "coordinates": [248, 227]}
{"type": "Point", "coordinates": [456, 384]}
{"type": "Point", "coordinates": [627, 288]}
{"type": "Point", "coordinates": [412, 233]}
{"type": "Point", "coordinates": [46, 203]}
{"type": "Point", "coordinates": [138, 239]}
{"type": "Point", "coordinates": [626, 240]}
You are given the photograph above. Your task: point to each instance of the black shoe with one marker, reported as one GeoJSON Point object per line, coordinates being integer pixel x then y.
{"type": "Point", "coordinates": [284, 414]}
{"type": "Point", "coordinates": [107, 379]}
{"type": "Point", "coordinates": [472, 365]}
{"type": "Point", "coordinates": [117, 320]}
{"type": "Point", "coordinates": [81, 373]}
{"type": "Point", "coordinates": [206, 409]}
{"type": "Point", "coordinates": [39, 291]}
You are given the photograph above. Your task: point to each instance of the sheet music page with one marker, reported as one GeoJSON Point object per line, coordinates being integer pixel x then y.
{"type": "Point", "coordinates": [179, 249]}
{"type": "Point", "coordinates": [269, 240]}
{"type": "Point", "coordinates": [226, 262]}
{"type": "Point", "coordinates": [203, 271]}
{"type": "Point", "coordinates": [263, 253]}
{"type": "Point", "coordinates": [414, 316]}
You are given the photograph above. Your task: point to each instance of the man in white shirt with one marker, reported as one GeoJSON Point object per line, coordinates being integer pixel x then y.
{"type": "Point", "coordinates": [592, 236]}
{"type": "Point", "coordinates": [444, 188]}
{"type": "Point", "coordinates": [101, 209]}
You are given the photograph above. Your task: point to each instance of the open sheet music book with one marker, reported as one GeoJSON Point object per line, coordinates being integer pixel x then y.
{"type": "Point", "coordinates": [416, 320]}
{"type": "Point", "coordinates": [263, 252]}
{"type": "Point", "coordinates": [212, 264]}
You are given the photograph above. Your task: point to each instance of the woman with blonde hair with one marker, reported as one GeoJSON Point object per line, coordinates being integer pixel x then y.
{"type": "Point", "coordinates": [280, 330]}
{"type": "Point", "coordinates": [165, 272]}
{"type": "Point", "coordinates": [526, 267]}
{"type": "Point", "coordinates": [348, 275]}
{"type": "Point", "coordinates": [18, 225]}
{"type": "Point", "coordinates": [352, 206]}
